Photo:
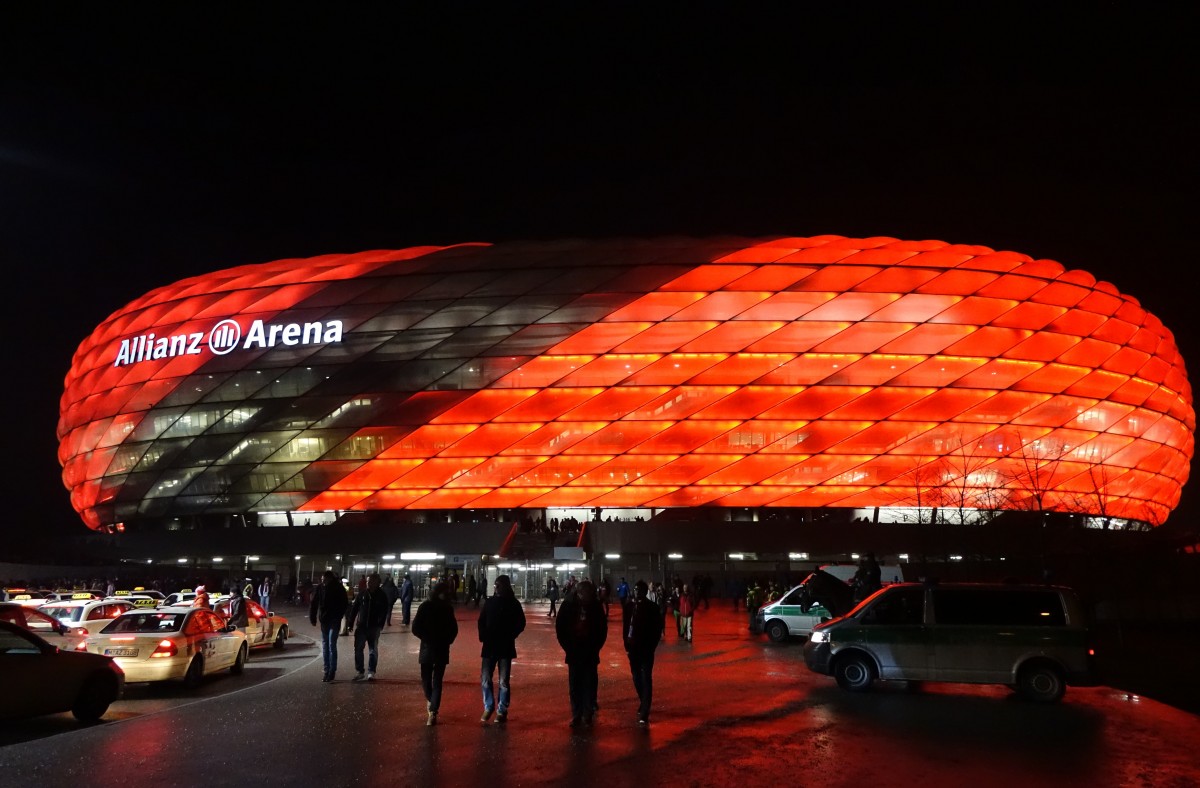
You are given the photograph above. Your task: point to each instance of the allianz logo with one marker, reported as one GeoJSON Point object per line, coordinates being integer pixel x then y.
{"type": "Point", "coordinates": [226, 337]}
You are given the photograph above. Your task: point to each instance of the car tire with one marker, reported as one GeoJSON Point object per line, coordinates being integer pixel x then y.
{"type": "Point", "coordinates": [94, 698]}
{"type": "Point", "coordinates": [1041, 683]}
{"type": "Point", "coordinates": [280, 638]}
{"type": "Point", "coordinates": [195, 673]}
{"type": "Point", "coordinates": [854, 673]}
{"type": "Point", "coordinates": [777, 631]}
{"type": "Point", "coordinates": [239, 662]}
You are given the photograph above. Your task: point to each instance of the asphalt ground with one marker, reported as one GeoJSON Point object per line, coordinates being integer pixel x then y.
{"type": "Point", "coordinates": [729, 709]}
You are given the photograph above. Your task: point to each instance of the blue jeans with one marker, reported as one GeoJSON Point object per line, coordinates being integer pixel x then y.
{"type": "Point", "coordinates": [329, 639]}
{"type": "Point", "coordinates": [369, 637]}
{"type": "Point", "coordinates": [503, 666]}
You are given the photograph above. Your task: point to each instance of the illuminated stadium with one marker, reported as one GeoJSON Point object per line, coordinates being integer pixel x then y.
{"type": "Point", "coordinates": [649, 379]}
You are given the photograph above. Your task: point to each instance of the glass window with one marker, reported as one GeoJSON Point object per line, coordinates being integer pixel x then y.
{"type": "Point", "coordinates": [899, 607]}
{"type": "Point", "coordinates": [997, 607]}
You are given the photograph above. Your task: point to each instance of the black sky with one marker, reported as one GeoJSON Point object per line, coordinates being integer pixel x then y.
{"type": "Point", "coordinates": [137, 149]}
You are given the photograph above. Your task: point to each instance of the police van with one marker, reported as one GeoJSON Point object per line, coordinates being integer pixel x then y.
{"type": "Point", "coordinates": [785, 618]}
{"type": "Point", "coordinates": [1031, 638]}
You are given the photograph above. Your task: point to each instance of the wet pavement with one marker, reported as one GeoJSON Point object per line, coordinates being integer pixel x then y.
{"type": "Point", "coordinates": [729, 709]}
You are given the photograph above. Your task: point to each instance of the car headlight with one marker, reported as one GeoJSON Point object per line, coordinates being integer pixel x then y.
{"type": "Point", "coordinates": [819, 636]}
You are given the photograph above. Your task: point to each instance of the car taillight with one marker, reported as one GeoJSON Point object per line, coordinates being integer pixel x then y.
{"type": "Point", "coordinates": [166, 648]}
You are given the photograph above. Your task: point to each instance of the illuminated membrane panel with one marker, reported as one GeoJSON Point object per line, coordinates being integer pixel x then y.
{"type": "Point", "coordinates": [793, 372]}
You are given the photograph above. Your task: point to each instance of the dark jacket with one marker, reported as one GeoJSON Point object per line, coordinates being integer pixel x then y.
{"type": "Point", "coordinates": [370, 609]}
{"type": "Point", "coordinates": [436, 627]}
{"type": "Point", "coordinates": [328, 605]}
{"type": "Point", "coordinates": [391, 590]}
{"type": "Point", "coordinates": [406, 590]}
{"type": "Point", "coordinates": [641, 626]}
{"type": "Point", "coordinates": [581, 629]}
{"type": "Point", "coordinates": [500, 621]}
{"type": "Point", "coordinates": [237, 611]}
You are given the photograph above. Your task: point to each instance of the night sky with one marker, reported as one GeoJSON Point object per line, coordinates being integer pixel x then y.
{"type": "Point", "coordinates": [136, 150]}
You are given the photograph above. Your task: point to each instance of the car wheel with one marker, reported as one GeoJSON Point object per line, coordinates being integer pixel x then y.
{"type": "Point", "coordinates": [281, 638]}
{"type": "Point", "coordinates": [239, 664]}
{"type": "Point", "coordinates": [94, 699]}
{"type": "Point", "coordinates": [854, 673]}
{"type": "Point", "coordinates": [195, 673]}
{"type": "Point", "coordinates": [1041, 683]}
{"type": "Point", "coordinates": [777, 631]}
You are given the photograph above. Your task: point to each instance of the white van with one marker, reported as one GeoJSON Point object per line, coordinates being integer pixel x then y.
{"type": "Point", "coordinates": [784, 618]}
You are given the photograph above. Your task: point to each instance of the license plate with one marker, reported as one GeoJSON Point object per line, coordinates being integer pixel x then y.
{"type": "Point", "coordinates": [120, 652]}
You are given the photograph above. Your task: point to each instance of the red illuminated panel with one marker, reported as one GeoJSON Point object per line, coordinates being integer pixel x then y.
{"type": "Point", "coordinates": [815, 371]}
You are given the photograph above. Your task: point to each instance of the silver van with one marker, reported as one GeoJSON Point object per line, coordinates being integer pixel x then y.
{"type": "Point", "coordinates": [1031, 638]}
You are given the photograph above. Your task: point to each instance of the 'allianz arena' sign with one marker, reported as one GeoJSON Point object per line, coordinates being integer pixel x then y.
{"type": "Point", "coordinates": [225, 337]}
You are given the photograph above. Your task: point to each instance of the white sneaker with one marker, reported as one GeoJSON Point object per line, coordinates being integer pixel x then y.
{"type": "Point", "coordinates": [370, 675]}
{"type": "Point", "coordinates": [359, 676]}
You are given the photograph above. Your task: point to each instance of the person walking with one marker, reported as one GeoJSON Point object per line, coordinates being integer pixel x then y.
{"type": "Point", "coordinates": [582, 628]}
{"type": "Point", "coordinates": [406, 599]}
{"type": "Point", "coordinates": [436, 628]}
{"type": "Point", "coordinates": [552, 595]}
{"type": "Point", "coordinates": [392, 593]}
{"type": "Point", "coordinates": [367, 616]}
{"type": "Point", "coordinates": [264, 593]}
{"type": "Point", "coordinates": [642, 627]}
{"type": "Point", "coordinates": [328, 607]}
{"type": "Point", "coordinates": [687, 609]}
{"type": "Point", "coordinates": [501, 621]}
{"type": "Point", "coordinates": [472, 590]}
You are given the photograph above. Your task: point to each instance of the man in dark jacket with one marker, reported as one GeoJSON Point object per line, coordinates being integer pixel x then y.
{"type": "Point", "coordinates": [367, 616]}
{"type": "Point", "coordinates": [406, 600]}
{"type": "Point", "coordinates": [237, 609]}
{"type": "Point", "coordinates": [392, 592]}
{"type": "Point", "coordinates": [501, 620]}
{"type": "Point", "coordinates": [642, 627]}
{"type": "Point", "coordinates": [436, 628]}
{"type": "Point", "coordinates": [328, 607]}
{"type": "Point", "coordinates": [582, 628]}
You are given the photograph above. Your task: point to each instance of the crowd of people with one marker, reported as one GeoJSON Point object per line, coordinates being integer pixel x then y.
{"type": "Point", "coordinates": [581, 628]}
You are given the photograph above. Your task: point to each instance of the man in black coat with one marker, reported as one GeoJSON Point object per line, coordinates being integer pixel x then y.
{"type": "Point", "coordinates": [501, 620]}
{"type": "Point", "coordinates": [328, 606]}
{"type": "Point", "coordinates": [367, 617]}
{"type": "Point", "coordinates": [642, 627]}
{"type": "Point", "coordinates": [582, 628]}
{"type": "Point", "coordinates": [436, 628]}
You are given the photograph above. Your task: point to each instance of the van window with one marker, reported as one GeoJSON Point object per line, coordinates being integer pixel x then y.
{"type": "Point", "coordinates": [998, 606]}
{"type": "Point", "coordinates": [905, 606]}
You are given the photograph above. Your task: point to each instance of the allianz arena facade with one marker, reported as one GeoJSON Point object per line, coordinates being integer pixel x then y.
{"type": "Point", "coordinates": [645, 375]}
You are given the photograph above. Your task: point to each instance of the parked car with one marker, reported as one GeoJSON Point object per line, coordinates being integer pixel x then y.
{"type": "Point", "coordinates": [90, 614]}
{"type": "Point", "coordinates": [50, 629]}
{"type": "Point", "coordinates": [1031, 638]}
{"type": "Point", "coordinates": [263, 627]}
{"type": "Point", "coordinates": [42, 679]}
{"type": "Point", "coordinates": [171, 644]}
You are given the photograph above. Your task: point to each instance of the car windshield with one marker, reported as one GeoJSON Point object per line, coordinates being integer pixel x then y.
{"type": "Point", "coordinates": [65, 614]}
{"type": "Point", "coordinates": [146, 622]}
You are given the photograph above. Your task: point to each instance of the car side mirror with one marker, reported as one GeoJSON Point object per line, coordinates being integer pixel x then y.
{"type": "Point", "coordinates": [230, 627]}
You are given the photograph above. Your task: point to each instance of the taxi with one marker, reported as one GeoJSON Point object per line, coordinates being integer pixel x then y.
{"type": "Point", "coordinates": [140, 597]}
{"type": "Point", "coordinates": [263, 627]}
{"type": "Point", "coordinates": [26, 596]}
{"type": "Point", "coordinates": [86, 612]}
{"type": "Point", "coordinates": [171, 644]}
{"type": "Point", "coordinates": [50, 629]}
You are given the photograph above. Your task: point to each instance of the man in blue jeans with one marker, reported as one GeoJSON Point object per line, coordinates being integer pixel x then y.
{"type": "Point", "coordinates": [367, 617]}
{"type": "Point", "coordinates": [501, 620]}
{"type": "Point", "coordinates": [329, 607]}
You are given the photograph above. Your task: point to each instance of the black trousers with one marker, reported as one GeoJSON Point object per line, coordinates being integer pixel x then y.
{"type": "Point", "coordinates": [583, 680]}
{"type": "Point", "coordinates": [641, 666]}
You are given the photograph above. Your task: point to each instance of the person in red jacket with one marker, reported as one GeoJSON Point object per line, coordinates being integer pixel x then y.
{"type": "Point", "coordinates": [687, 609]}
